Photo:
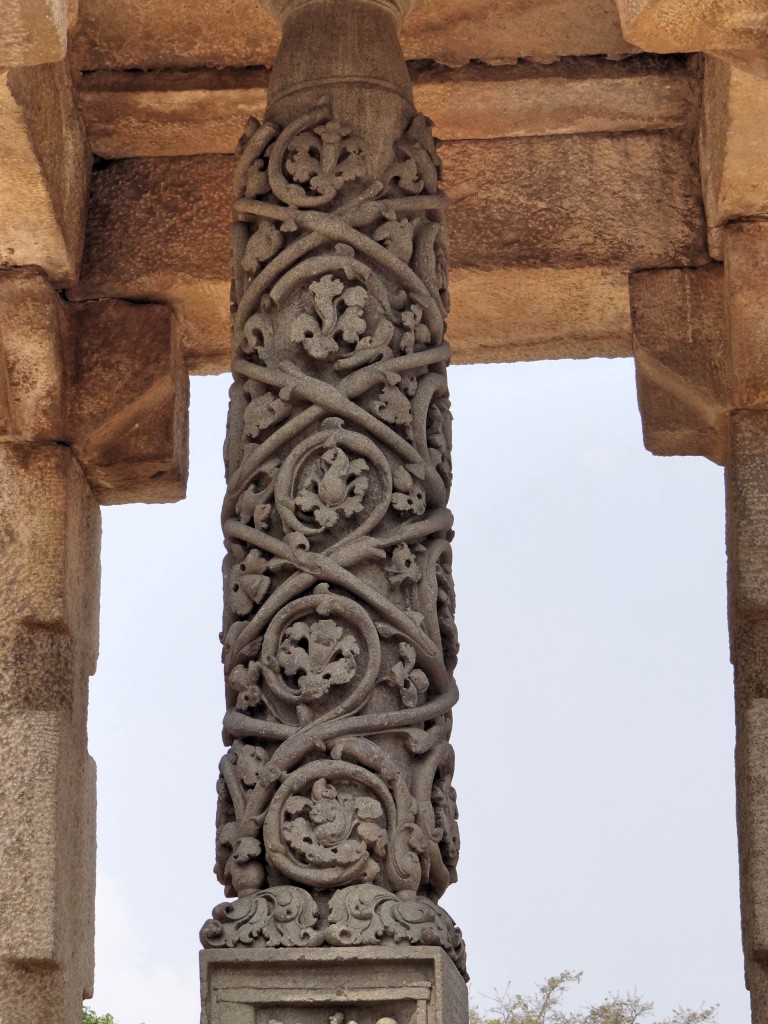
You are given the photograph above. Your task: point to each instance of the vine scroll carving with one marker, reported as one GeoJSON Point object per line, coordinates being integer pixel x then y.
{"type": "Point", "coordinates": [336, 822]}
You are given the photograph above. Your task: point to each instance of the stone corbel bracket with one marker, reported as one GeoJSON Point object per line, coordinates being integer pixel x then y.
{"type": "Point", "coordinates": [105, 378]}
{"type": "Point", "coordinates": [701, 346]}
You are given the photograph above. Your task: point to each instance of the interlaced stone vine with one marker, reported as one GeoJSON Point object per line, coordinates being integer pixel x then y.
{"type": "Point", "coordinates": [337, 814]}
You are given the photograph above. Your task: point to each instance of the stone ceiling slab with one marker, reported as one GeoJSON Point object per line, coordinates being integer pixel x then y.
{"type": "Point", "coordinates": [237, 33]}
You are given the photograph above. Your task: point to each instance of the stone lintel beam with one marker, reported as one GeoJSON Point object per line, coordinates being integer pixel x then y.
{"type": "Point", "coordinates": [33, 32]}
{"type": "Point", "coordinates": [238, 33]}
{"type": "Point", "coordinates": [183, 113]}
{"type": "Point", "coordinates": [736, 30]}
{"type": "Point", "coordinates": [48, 647]}
{"type": "Point", "coordinates": [599, 203]}
{"type": "Point", "coordinates": [733, 145]}
{"type": "Point", "coordinates": [104, 378]}
{"type": "Point", "coordinates": [747, 529]}
{"type": "Point", "coordinates": [701, 344]}
{"type": "Point", "coordinates": [45, 165]}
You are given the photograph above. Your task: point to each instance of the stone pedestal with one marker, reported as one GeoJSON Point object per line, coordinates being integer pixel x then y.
{"type": "Point", "coordinates": [411, 985]}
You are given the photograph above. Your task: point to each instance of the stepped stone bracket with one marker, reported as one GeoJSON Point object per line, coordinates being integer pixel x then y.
{"type": "Point", "coordinates": [106, 378]}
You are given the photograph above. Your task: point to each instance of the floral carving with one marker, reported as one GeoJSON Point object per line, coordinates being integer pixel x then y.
{"type": "Point", "coordinates": [317, 656]}
{"type": "Point", "coordinates": [333, 486]}
{"type": "Point", "coordinates": [339, 641]}
{"type": "Point", "coordinates": [325, 159]}
{"type": "Point", "coordinates": [330, 829]}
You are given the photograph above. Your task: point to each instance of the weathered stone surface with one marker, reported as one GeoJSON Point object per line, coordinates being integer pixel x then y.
{"type": "Point", "coordinates": [365, 985]}
{"type": "Point", "coordinates": [738, 28]}
{"type": "Point", "coordinates": [175, 113]}
{"type": "Point", "coordinates": [747, 528]}
{"type": "Point", "coordinates": [135, 448]}
{"type": "Point", "coordinates": [49, 532]}
{"type": "Point", "coordinates": [746, 279]}
{"type": "Point", "coordinates": [733, 145]}
{"type": "Point", "coordinates": [44, 168]}
{"type": "Point", "coordinates": [157, 228]}
{"type": "Point", "coordinates": [33, 32]}
{"type": "Point", "coordinates": [237, 33]}
{"type": "Point", "coordinates": [49, 527]}
{"type": "Point", "coordinates": [629, 200]}
{"type": "Point", "coordinates": [682, 359]}
{"type": "Point", "coordinates": [523, 314]}
{"type": "Point", "coordinates": [32, 403]}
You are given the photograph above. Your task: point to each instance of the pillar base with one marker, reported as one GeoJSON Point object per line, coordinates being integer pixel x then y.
{"type": "Point", "coordinates": [410, 985]}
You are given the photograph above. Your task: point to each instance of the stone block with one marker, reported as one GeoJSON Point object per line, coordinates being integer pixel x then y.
{"type": "Point", "coordinates": [235, 33]}
{"type": "Point", "coordinates": [308, 986]}
{"type": "Point", "coordinates": [746, 275]}
{"type": "Point", "coordinates": [173, 113]}
{"type": "Point", "coordinates": [752, 789]}
{"type": "Point", "coordinates": [39, 995]}
{"type": "Point", "coordinates": [44, 171]}
{"type": "Point", "coordinates": [159, 230]}
{"type": "Point", "coordinates": [628, 201]}
{"type": "Point", "coordinates": [747, 514]}
{"type": "Point", "coordinates": [33, 32]}
{"type": "Point", "coordinates": [31, 372]}
{"type": "Point", "coordinates": [733, 144]}
{"type": "Point", "coordinates": [520, 314]}
{"type": "Point", "coordinates": [47, 834]}
{"type": "Point", "coordinates": [135, 448]}
{"type": "Point", "coordinates": [49, 534]}
{"type": "Point", "coordinates": [738, 28]}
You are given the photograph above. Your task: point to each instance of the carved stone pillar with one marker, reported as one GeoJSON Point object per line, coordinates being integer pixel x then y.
{"type": "Point", "coordinates": [337, 816]}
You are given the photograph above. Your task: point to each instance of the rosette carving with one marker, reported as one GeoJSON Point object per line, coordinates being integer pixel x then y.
{"type": "Point", "coordinates": [339, 642]}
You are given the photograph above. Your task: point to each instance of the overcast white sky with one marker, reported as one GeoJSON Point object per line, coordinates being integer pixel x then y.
{"type": "Point", "coordinates": [594, 736]}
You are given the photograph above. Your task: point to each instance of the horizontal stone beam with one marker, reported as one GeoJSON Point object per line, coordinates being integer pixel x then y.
{"type": "Point", "coordinates": [183, 113]}
{"type": "Point", "coordinates": [738, 30]}
{"type": "Point", "coordinates": [45, 165]}
{"type": "Point", "coordinates": [237, 33]}
{"type": "Point", "coordinates": [107, 379]}
{"type": "Point", "coordinates": [733, 143]}
{"type": "Point", "coordinates": [159, 230]}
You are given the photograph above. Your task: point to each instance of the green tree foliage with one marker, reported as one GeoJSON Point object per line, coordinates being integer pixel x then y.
{"type": "Point", "coordinates": [91, 1017]}
{"type": "Point", "coordinates": [545, 1007]}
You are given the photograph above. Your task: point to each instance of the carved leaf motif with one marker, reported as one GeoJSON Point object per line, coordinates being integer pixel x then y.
{"type": "Point", "coordinates": [397, 236]}
{"type": "Point", "coordinates": [334, 485]}
{"type": "Point", "coordinates": [326, 158]}
{"type": "Point", "coordinates": [339, 317]}
{"type": "Point", "coordinates": [409, 496]}
{"type": "Point", "coordinates": [263, 244]}
{"type": "Point", "coordinates": [392, 406]}
{"type": "Point", "coordinates": [403, 566]}
{"type": "Point", "coordinates": [405, 677]}
{"type": "Point", "coordinates": [320, 655]}
{"type": "Point", "coordinates": [329, 829]}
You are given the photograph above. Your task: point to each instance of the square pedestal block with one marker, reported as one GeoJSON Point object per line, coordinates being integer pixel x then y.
{"type": "Point", "coordinates": [366, 985]}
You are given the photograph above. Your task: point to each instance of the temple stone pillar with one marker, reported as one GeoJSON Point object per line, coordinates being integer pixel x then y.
{"type": "Point", "coordinates": [701, 338]}
{"type": "Point", "coordinates": [336, 826]}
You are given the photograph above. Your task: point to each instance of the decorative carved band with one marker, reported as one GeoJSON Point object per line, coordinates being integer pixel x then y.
{"type": "Point", "coordinates": [339, 638]}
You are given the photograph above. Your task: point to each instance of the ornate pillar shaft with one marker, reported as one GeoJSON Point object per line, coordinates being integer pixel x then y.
{"type": "Point", "coordinates": [337, 817]}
